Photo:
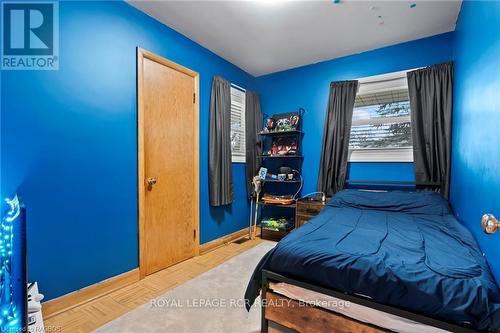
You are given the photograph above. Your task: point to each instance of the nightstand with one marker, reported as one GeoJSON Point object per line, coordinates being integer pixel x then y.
{"type": "Point", "coordinates": [307, 209]}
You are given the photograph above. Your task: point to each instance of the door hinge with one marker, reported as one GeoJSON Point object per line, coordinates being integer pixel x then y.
{"type": "Point", "coordinates": [194, 98]}
{"type": "Point", "coordinates": [194, 233]}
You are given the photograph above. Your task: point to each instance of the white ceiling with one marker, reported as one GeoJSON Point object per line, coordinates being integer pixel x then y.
{"type": "Point", "coordinates": [267, 36]}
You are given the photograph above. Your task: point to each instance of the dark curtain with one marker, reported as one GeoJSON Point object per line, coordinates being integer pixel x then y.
{"type": "Point", "coordinates": [333, 163]}
{"type": "Point", "coordinates": [431, 109]}
{"type": "Point", "coordinates": [253, 124]}
{"type": "Point", "coordinates": [220, 173]}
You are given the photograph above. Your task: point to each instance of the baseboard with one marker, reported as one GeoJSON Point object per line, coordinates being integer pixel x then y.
{"type": "Point", "coordinates": [87, 294]}
{"type": "Point", "coordinates": [212, 245]}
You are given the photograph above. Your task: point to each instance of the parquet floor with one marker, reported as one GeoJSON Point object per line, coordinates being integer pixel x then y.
{"type": "Point", "coordinates": [89, 316]}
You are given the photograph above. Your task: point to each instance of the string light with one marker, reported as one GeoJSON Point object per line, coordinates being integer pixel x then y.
{"type": "Point", "coordinates": [9, 312]}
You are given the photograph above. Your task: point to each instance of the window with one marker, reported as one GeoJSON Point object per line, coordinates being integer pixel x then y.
{"type": "Point", "coordinates": [238, 152]}
{"type": "Point", "coordinates": [381, 124]}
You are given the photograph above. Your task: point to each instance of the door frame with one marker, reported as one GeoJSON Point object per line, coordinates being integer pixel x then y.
{"type": "Point", "coordinates": [141, 55]}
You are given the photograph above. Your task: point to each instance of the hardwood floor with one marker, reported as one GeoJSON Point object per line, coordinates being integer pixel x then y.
{"type": "Point", "coordinates": [89, 316]}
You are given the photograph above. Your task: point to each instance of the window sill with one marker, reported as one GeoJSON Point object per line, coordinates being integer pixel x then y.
{"type": "Point", "coordinates": [381, 155]}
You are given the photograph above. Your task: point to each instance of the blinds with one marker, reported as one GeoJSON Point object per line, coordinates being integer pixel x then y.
{"type": "Point", "coordinates": [395, 135]}
{"type": "Point", "coordinates": [386, 97]}
{"type": "Point", "coordinates": [238, 149]}
{"type": "Point", "coordinates": [381, 120]}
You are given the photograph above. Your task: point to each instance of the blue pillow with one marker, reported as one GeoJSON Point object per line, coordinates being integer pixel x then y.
{"type": "Point", "coordinates": [429, 203]}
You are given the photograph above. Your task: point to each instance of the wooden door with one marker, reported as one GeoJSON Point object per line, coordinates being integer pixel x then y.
{"type": "Point", "coordinates": [168, 163]}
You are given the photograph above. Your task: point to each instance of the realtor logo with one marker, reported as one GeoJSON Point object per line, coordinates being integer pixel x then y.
{"type": "Point", "coordinates": [30, 35]}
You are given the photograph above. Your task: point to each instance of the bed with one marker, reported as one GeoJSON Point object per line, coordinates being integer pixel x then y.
{"type": "Point", "coordinates": [401, 253]}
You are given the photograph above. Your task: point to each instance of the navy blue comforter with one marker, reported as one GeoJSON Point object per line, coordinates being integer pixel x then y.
{"type": "Point", "coordinates": [403, 249]}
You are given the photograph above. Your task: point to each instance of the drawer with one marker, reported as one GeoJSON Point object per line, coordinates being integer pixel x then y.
{"type": "Point", "coordinates": [273, 235]}
{"type": "Point", "coordinates": [309, 209]}
{"type": "Point", "coordinates": [302, 219]}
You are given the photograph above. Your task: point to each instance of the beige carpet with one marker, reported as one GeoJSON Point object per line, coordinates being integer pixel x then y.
{"type": "Point", "coordinates": [211, 302]}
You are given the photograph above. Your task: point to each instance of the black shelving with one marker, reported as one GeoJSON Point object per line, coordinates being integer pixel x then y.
{"type": "Point", "coordinates": [282, 133]}
{"type": "Point", "coordinates": [281, 181]}
{"type": "Point", "coordinates": [281, 156]}
{"type": "Point", "coordinates": [293, 205]}
{"type": "Point", "coordinates": [280, 187]}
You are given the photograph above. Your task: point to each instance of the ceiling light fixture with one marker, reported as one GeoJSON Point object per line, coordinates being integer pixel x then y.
{"type": "Point", "coordinates": [269, 2]}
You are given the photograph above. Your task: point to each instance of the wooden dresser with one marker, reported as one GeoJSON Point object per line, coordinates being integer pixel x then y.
{"type": "Point", "coordinates": [307, 209]}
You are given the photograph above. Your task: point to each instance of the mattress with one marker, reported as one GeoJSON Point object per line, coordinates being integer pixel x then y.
{"type": "Point", "coordinates": [352, 310]}
{"type": "Point", "coordinates": [402, 249]}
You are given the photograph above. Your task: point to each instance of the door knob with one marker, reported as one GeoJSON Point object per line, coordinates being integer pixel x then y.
{"type": "Point", "coordinates": [151, 181]}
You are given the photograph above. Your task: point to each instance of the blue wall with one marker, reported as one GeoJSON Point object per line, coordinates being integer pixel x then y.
{"type": "Point", "coordinates": [476, 145]}
{"type": "Point", "coordinates": [308, 87]}
{"type": "Point", "coordinates": [68, 141]}
{"type": "Point", "coordinates": [399, 171]}
{"type": "Point", "coordinates": [68, 137]}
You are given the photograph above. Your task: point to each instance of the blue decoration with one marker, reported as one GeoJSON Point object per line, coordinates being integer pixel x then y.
{"type": "Point", "coordinates": [9, 312]}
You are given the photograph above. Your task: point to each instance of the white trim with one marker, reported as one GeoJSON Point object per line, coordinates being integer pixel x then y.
{"type": "Point", "coordinates": [381, 155]}
{"type": "Point", "coordinates": [383, 82]}
{"type": "Point", "coordinates": [238, 87]}
{"type": "Point", "coordinates": [238, 159]}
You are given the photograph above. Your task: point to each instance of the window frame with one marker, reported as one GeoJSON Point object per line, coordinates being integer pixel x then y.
{"type": "Point", "coordinates": [377, 84]}
{"type": "Point", "coordinates": [241, 156]}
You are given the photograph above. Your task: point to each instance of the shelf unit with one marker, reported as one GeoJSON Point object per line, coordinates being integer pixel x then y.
{"type": "Point", "coordinates": [294, 205]}
{"type": "Point", "coordinates": [281, 156]}
{"type": "Point", "coordinates": [282, 133]}
{"type": "Point", "coordinates": [280, 187]}
{"type": "Point", "coordinates": [281, 181]}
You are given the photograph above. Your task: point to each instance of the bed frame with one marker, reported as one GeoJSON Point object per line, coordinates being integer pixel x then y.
{"type": "Point", "coordinates": [316, 319]}
{"type": "Point", "coordinates": [388, 184]}
{"type": "Point", "coordinates": [287, 312]}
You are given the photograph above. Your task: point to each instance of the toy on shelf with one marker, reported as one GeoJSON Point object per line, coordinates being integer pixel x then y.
{"type": "Point", "coordinates": [277, 224]}
{"type": "Point", "coordinates": [285, 122]}
{"type": "Point", "coordinates": [270, 125]}
{"type": "Point", "coordinates": [282, 146]}
{"type": "Point", "coordinates": [278, 199]}
{"type": "Point", "coordinates": [285, 173]}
